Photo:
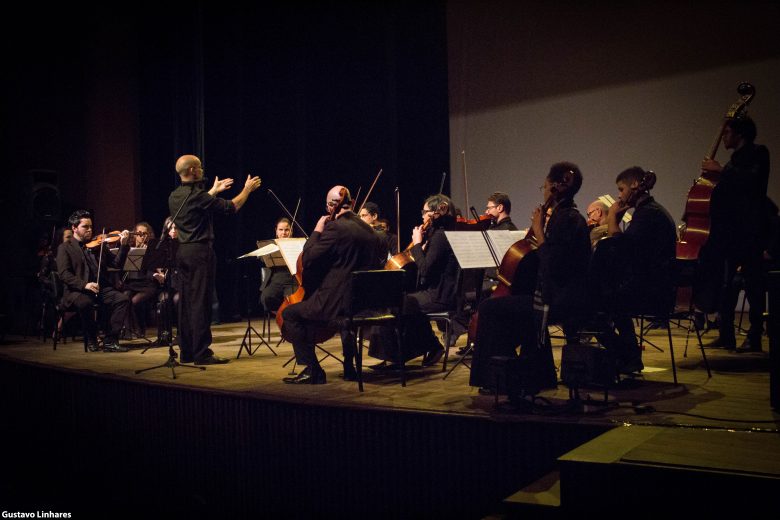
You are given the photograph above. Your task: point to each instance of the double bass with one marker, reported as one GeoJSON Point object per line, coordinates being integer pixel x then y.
{"type": "Point", "coordinates": [696, 220]}
{"type": "Point", "coordinates": [309, 284]}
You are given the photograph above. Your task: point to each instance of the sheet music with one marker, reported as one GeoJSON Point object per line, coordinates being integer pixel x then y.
{"type": "Point", "coordinates": [470, 249]}
{"type": "Point", "coordinates": [502, 240]}
{"type": "Point", "coordinates": [291, 249]}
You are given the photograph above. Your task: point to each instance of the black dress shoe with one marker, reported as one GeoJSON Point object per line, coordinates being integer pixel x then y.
{"type": "Point", "coordinates": [720, 343]}
{"type": "Point", "coordinates": [92, 347]}
{"type": "Point", "coordinates": [308, 376]}
{"type": "Point", "coordinates": [114, 347]}
{"type": "Point", "coordinates": [212, 360]}
{"type": "Point", "coordinates": [350, 374]}
{"type": "Point", "coordinates": [431, 358]}
{"type": "Point", "coordinates": [750, 346]}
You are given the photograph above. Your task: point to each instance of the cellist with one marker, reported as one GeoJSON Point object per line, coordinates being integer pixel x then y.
{"type": "Point", "coordinates": [559, 296]}
{"type": "Point", "coordinates": [340, 243]}
{"type": "Point", "coordinates": [737, 232]}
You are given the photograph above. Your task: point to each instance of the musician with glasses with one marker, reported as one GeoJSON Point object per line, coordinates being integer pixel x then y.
{"type": "Point", "coordinates": [499, 207]}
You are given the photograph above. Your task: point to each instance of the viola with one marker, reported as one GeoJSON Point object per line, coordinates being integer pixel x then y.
{"type": "Point", "coordinates": [306, 284]}
{"type": "Point", "coordinates": [695, 229]}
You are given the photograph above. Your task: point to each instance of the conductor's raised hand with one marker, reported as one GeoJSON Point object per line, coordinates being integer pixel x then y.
{"type": "Point", "coordinates": [252, 183]}
{"type": "Point", "coordinates": [220, 185]}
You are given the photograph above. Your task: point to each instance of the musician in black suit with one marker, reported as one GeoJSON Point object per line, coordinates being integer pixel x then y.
{"type": "Point", "coordinates": [83, 275]}
{"type": "Point", "coordinates": [336, 247]}
{"type": "Point", "coordinates": [642, 260]}
{"type": "Point", "coordinates": [559, 295]}
{"type": "Point", "coordinates": [739, 229]}
{"type": "Point", "coordinates": [277, 280]}
{"type": "Point", "coordinates": [369, 213]}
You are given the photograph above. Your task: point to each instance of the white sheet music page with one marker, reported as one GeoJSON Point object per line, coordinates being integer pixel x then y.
{"type": "Point", "coordinates": [291, 249]}
{"type": "Point", "coordinates": [502, 240]}
{"type": "Point", "coordinates": [470, 249]}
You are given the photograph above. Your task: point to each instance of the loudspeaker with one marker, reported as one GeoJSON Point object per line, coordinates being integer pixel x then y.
{"type": "Point", "coordinates": [46, 202]}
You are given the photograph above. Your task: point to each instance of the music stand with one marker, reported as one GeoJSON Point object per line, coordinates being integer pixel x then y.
{"type": "Point", "coordinates": [135, 263]}
{"type": "Point", "coordinates": [246, 342]}
{"type": "Point", "coordinates": [161, 255]}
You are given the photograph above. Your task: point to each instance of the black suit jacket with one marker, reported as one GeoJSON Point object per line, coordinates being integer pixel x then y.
{"type": "Point", "coordinates": [347, 244]}
{"type": "Point", "coordinates": [74, 271]}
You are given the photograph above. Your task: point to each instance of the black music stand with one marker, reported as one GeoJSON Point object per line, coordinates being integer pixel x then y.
{"type": "Point", "coordinates": [162, 256]}
{"type": "Point", "coordinates": [134, 263]}
{"type": "Point", "coordinates": [246, 343]}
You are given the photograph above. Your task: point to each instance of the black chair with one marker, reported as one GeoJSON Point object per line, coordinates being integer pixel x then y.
{"type": "Point", "coordinates": [376, 298]}
{"type": "Point", "coordinates": [680, 309]}
{"type": "Point", "coordinates": [469, 282]}
{"type": "Point", "coordinates": [62, 313]}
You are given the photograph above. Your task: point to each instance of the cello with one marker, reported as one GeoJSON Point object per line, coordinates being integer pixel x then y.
{"type": "Point", "coordinates": [306, 284]}
{"type": "Point", "coordinates": [696, 220]}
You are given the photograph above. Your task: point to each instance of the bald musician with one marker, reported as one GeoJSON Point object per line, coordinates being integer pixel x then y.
{"type": "Point", "coordinates": [193, 208]}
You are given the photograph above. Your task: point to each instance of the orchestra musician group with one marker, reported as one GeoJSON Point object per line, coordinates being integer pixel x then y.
{"type": "Point", "coordinates": [586, 269]}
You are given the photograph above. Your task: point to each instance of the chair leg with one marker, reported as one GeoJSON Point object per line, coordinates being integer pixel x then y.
{"type": "Point", "coordinates": [671, 351]}
{"type": "Point", "coordinates": [701, 347]}
{"type": "Point", "coordinates": [447, 339]}
{"type": "Point", "coordinates": [359, 358]}
{"type": "Point", "coordinates": [400, 350]}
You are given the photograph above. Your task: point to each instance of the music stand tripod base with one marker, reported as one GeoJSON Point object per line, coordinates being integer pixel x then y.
{"type": "Point", "coordinates": [171, 363]}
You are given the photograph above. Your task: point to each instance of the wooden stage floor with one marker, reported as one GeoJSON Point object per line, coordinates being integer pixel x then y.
{"type": "Point", "coordinates": [736, 397]}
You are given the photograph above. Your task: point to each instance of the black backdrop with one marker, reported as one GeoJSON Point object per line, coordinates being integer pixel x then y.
{"type": "Point", "coordinates": [306, 96]}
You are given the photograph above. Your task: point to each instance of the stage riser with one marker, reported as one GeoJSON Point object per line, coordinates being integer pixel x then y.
{"type": "Point", "coordinates": [84, 442]}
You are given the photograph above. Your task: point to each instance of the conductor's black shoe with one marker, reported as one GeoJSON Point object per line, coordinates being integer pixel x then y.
{"type": "Point", "coordinates": [92, 347]}
{"type": "Point", "coordinates": [211, 360]}
{"type": "Point", "coordinates": [750, 345]}
{"type": "Point", "coordinates": [720, 343]}
{"type": "Point", "coordinates": [114, 347]}
{"type": "Point", "coordinates": [308, 376]}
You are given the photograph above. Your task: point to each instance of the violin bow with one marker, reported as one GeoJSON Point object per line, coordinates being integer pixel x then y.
{"type": "Point", "coordinates": [465, 178]}
{"type": "Point", "coordinates": [271, 193]}
{"type": "Point", "coordinates": [368, 193]}
{"type": "Point", "coordinates": [441, 184]}
{"type": "Point", "coordinates": [298, 205]}
{"type": "Point", "coordinates": [398, 218]}
{"type": "Point", "coordinates": [100, 260]}
{"type": "Point", "coordinates": [354, 201]}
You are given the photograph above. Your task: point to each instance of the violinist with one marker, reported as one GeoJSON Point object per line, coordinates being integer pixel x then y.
{"type": "Point", "coordinates": [139, 286]}
{"type": "Point", "coordinates": [437, 270]}
{"type": "Point", "coordinates": [83, 275]}
{"type": "Point", "coordinates": [643, 261]}
{"type": "Point", "coordinates": [559, 295]}
{"type": "Point", "coordinates": [277, 280]}
{"type": "Point", "coordinates": [739, 230]}
{"type": "Point", "coordinates": [193, 207]}
{"type": "Point", "coordinates": [370, 215]}
{"type": "Point", "coordinates": [498, 208]}
{"type": "Point", "coordinates": [340, 243]}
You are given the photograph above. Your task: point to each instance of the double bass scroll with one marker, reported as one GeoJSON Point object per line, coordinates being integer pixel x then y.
{"type": "Point", "coordinates": [696, 220]}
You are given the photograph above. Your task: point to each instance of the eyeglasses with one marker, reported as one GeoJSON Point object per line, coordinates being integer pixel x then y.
{"type": "Point", "coordinates": [490, 207]}
{"type": "Point", "coordinates": [426, 211]}
{"type": "Point", "coordinates": [333, 203]}
{"type": "Point", "coordinates": [592, 212]}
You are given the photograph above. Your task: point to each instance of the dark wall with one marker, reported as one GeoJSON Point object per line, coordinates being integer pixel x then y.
{"type": "Point", "coordinates": [305, 96]}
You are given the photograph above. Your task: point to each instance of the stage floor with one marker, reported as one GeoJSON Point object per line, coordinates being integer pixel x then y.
{"type": "Point", "coordinates": [736, 397]}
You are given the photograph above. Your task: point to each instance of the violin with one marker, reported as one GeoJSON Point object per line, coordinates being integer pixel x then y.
{"type": "Point", "coordinates": [481, 223]}
{"type": "Point", "coordinates": [108, 238]}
